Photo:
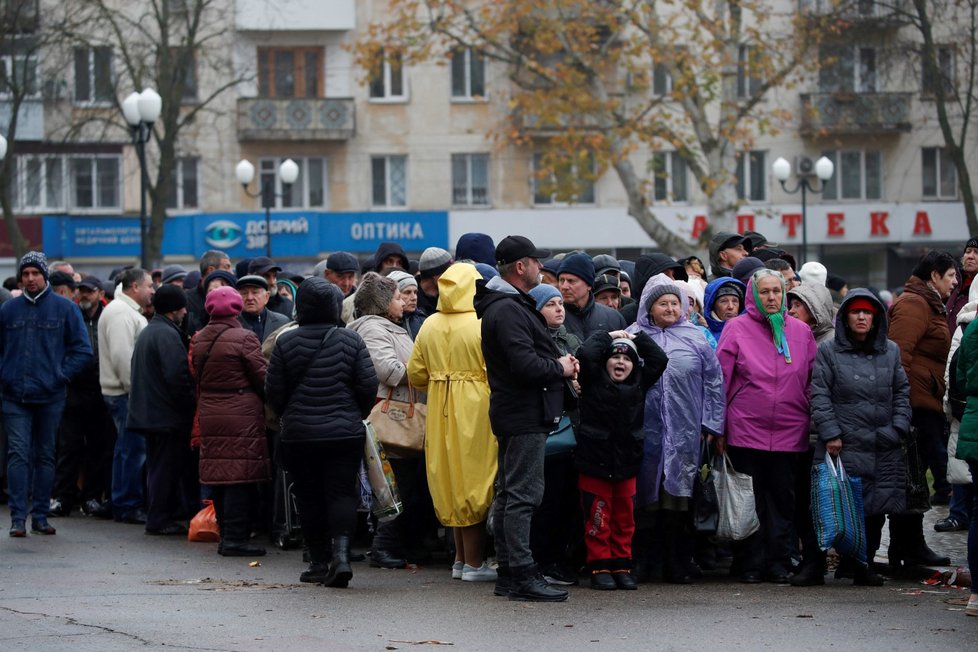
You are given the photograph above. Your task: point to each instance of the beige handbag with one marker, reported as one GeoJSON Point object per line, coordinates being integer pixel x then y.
{"type": "Point", "coordinates": [400, 424]}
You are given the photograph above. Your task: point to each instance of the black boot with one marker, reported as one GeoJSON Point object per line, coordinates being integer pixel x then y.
{"type": "Point", "coordinates": [917, 552]}
{"type": "Point", "coordinates": [621, 573]}
{"type": "Point", "coordinates": [601, 578]}
{"type": "Point", "coordinates": [846, 569]}
{"type": "Point", "coordinates": [811, 572]}
{"type": "Point", "coordinates": [864, 575]}
{"type": "Point", "coordinates": [674, 570]}
{"type": "Point", "coordinates": [340, 572]}
{"type": "Point", "coordinates": [528, 585]}
{"type": "Point", "coordinates": [318, 564]}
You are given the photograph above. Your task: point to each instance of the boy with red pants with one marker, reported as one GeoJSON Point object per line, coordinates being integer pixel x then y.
{"type": "Point", "coordinates": [617, 369]}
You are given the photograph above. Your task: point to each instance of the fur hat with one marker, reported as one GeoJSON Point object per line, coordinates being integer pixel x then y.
{"type": "Point", "coordinates": [374, 295]}
{"type": "Point", "coordinates": [35, 259]}
{"type": "Point", "coordinates": [223, 302]}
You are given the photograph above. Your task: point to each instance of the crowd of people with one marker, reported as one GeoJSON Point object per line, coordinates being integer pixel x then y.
{"type": "Point", "coordinates": [573, 401]}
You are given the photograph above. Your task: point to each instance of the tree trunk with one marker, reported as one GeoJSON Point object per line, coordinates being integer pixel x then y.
{"type": "Point", "coordinates": [638, 208]}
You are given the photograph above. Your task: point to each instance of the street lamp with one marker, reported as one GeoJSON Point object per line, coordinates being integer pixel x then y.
{"type": "Point", "coordinates": [141, 110]}
{"type": "Point", "coordinates": [782, 172]}
{"type": "Point", "coordinates": [288, 172]}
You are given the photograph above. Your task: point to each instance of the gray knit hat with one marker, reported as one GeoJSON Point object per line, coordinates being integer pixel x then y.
{"type": "Point", "coordinates": [434, 261]}
{"type": "Point", "coordinates": [666, 288]}
{"type": "Point", "coordinates": [402, 278]}
{"type": "Point", "coordinates": [34, 259]}
{"type": "Point", "coordinates": [374, 295]}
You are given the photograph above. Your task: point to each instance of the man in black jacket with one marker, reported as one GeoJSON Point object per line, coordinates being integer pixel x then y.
{"type": "Point", "coordinates": [526, 380]}
{"type": "Point", "coordinates": [584, 316]}
{"type": "Point", "coordinates": [161, 407]}
{"type": "Point", "coordinates": [255, 315]}
{"type": "Point", "coordinates": [197, 317]}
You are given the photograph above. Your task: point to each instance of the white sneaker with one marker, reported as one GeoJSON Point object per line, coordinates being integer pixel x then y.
{"type": "Point", "coordinates": [457, 570]}
{"type": "Point", "coordinates": [481, 574]}
{"type": "Point", "coordinates": [970, 610]}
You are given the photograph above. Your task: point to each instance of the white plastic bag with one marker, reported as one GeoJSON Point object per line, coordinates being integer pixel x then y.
{"type": "Point", "coordinates": [735, 495]}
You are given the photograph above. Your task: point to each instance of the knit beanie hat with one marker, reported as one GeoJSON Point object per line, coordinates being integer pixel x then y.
{"type": "Point", "coordinates": [973, 242]}
{"type": "Point", "coordinates": [626, 346]}
{"type": "Point", "coordinates": [403, 279]}
{"type": "Point", "coordinates": [660, 290]}
{"type": "Point", "coordinates": [478, 247]}
{"type": "Point", "coordinates": [488, 271]}
{"type": "Point", "coordinates": [731, 289]}
{"type": "Point", "coordinates": [542, 294]}
{"type": "Point", "coordinates": [223, 302]}
{"type": "Point", "coordinates": [835, 282]}
{"type": "Point", "coordinates": [579, 265]}
{"type": "Point", "coordinates": [813, 272]}
{"type": "Point", "coordinates": [173, 273]}
{"type": "Point", "coordinates": [745, 267]}
{"type": "Point", "coordinates": [34, 259]}
{"type": "Point", "coordinates": [374, 295]}
{"type": "Point", "coordinates": [169, 298]}
{"type": "Point", "coordinates": [434, 261]}
{"type": "Point", "coordinates": [224, 275]}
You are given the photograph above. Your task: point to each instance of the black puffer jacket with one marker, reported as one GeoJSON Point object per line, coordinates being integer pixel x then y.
{"type": "Point", "coordinates": [326, 397]}
{"type": "Point", "coordinates": [525, 380]}
{"type": "Point", "coordinates": [593, 318]}
{"type": "Point", "coordinates": [610, 439]}
{"type": "Point", "coordinates": [861, 394]}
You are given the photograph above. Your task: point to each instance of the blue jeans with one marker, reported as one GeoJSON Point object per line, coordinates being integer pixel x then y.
{"type": "Point", "coordinates": [128, 459]}
{"type": "Point", "coordinates": [959, 508]}
{"type": "Point", "coordinates": [31, 430]}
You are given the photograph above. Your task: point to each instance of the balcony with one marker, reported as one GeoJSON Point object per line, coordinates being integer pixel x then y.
{"type": "Point", "coordinates": [313, 118]}
{"type": "Point", "coordinates": [865, 14]}
{"type": "Point", "coordinates": [855, 113]}
{"type": "Point", "coordinates": [295, 15]}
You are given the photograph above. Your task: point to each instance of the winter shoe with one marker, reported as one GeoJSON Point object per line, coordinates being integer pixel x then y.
{"type": "Point", "coordinates": [601, 580]}
{"type": "Point", "coordinates": [529, 586]}
{"type": "Point", "coordinates": [810, 574]}
{"type": "Point", "coordinates": [481, 574]}
{"type": "Point", "coordinates": [384, 559]}
{"type": "Point", "coordinates": [340, 572]}
{"type": "Point", "coordinates": [504, 582]}
{"type": "Point", "coordinates": [623, 580]}
{"type": "Point", "coordinates": [316, 573]}
{"type": "Point", "coordinates": [240, 549]}
{"type": "Point", "coordinates": [866, 576]}
{"type": "Point", "coordinates": [41, 526]}
{"type": "Point", "coordinates": [18, 529]}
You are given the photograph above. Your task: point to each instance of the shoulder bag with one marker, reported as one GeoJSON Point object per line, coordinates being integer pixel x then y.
{"type": "Point", "coordinates": [400, 425]}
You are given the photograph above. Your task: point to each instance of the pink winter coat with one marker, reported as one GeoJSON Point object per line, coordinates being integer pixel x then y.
{"type": "Point", "coordinates": [767, 398]}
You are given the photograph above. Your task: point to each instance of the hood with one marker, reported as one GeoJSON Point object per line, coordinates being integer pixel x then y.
{"type": "Point", "coordinates": [385, 249]}
{"type": "Point", "coordinates": [967, 313]}
{"type": "Point", "coordinates": [488, 292]}
{"type": "Point", "coordinates": [710, 295]}
{"type": "Point", "coordinates": [317, 301]}
{"type": "Point", "coordinates": [818, 300]}
{"type": "Point", "coordinates": [648, 265]}
{"type": "Point", "coordinates": [880, 322]}
{"type": "Point", "coordinates": [456, 288]}
{"type": "Point", "coordinates": [751, 305]}
{"type": "Point", "coordinates": [658, 281]}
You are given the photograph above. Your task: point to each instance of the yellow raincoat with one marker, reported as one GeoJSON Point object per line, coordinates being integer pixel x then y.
{"type": "Point", "coordinates": [447, 363]}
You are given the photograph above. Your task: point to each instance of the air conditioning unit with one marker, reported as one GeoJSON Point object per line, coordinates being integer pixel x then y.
{"type": "Point", "coordinates": [804, 166]}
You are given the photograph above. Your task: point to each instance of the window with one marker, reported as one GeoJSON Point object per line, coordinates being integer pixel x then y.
{"type": "Point", "coordinates": [389, 181]}
{"type": "Point", "coordinates": [18, 75]}
{"type": "Point", "coordinates": [858, 175]}
{"type": "Point", "coordinates": [940, 176]}
{"type": "Point", "coordinates": [188, 59]}
{"type": "Point", "coordinates": [669, 170]}
{"type": "Point", "coordinates": [309, 189]}
{"type": "Point", "coordinates": [93, 75]}
{"type": "Point", "coordinates": [38, 183]}
{"type": "Point", "coordinates": [387, 80]}
{"type": "Point", "coordinates": [470, 179]}
{"type": "Point", "coordinates": [749, 79]}
{"type": "Point", "coordinates": [184, 184]}
{"type": "Point", "coordinates": [752, 176]}
{"type": "Point", "coordinates": [945, 63]}
{"type": "Point", "coordinates": [553, 191]}
{"type": "Point", "coordinates": [290, 72]}
{"type": "Point", "coordinates": [847, 69]}
{"type": "Point", "coordinates": [94, 182]}
{"type": "Point", "coordinates": [661, 80]}
{"type": "Point", "coordinates": [468, 74]}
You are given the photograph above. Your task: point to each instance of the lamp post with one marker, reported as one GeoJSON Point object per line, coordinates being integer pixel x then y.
{"type": "Point", "coordinates": [141, 110]}
{"type": "Point", "coordinates": [288, 172]}
{"type": "Point", "coordinates": [824, 169]}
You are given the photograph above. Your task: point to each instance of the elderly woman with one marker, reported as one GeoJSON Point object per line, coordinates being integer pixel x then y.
{"type": "Point", "coordinates": [407, 285]}
{"type": "Point", "coordinates": [380, 308]}
{"type": "Point", "coordinates": [967, 446]}
{"type": "Point", "coordinates": [322, 382]}
{"type": "Point", "coordinates": [685, 406]}
{"type": "Point", "coordinates": [460, 449]}
{"type": "Point", "coordinates": [767, 358]}
{"type": "Point", "coordinates": [861, 408]}
{"type": "Point", "coordinates": [226, 361]}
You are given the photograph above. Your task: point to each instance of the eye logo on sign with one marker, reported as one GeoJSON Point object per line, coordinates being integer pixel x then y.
{"type": "Point", "coordinates": [222, 234]}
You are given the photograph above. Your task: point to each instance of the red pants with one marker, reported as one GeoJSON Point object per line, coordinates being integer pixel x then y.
{"type": "Point", "coordinates": [609, 517]}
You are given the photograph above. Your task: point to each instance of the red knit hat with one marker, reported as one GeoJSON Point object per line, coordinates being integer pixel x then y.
{"type": "Point", "coordinates": [862, 303]}
{"type": "Point", "coordinates": [223, 302]}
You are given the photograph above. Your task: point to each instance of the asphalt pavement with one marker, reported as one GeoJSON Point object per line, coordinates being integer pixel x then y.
{"type": "Point", "coordinates": [101, 585]}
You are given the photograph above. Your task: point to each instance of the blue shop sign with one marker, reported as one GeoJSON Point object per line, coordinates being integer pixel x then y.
{"type": "Point", "coordinates": [295, 234]}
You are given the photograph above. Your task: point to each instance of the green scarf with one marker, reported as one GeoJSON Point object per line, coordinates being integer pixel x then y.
{"type": "Point", "coordinates": [776, 320]}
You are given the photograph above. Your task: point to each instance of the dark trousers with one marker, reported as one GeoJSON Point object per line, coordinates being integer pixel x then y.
{"type": "Point", "coordinates": [932, 437]}
{"type": "Point", "coordinates": [773, 475]}
{"type": "Point", "coordinates": [519, 492]}
{"type": "Point", "coordinates": [86, 439]}
{"type": "Point", "coordinates": [324, 477]}
{"type": "Point", "coordinates": [232, 506]}
{"type": "Point", "coordinates": [556, 523]}
{"type": "Point", "coordinates": [392, 536]}
{"type": "Point", "coordinates": [804, 525]}
{"type": "Point", "coordinates": [170, 483]}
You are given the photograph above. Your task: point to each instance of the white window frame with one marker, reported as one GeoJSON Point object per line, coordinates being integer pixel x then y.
{"type": "Point", "coordinates": [59, 185]}
{"type": "Point", "coordinates": [96, 188]}
{"type": "Point", "coordinates": [7, 61]}
{"type": "Point", "coordinates": [835, 182]}
{"type": "Point", "coordinates": [670, 160]}
{"type": "Point", "coordinates": [950, 70]}
{"type": "Point", "coordinates": [860, 80]}
{"type": "Point", "coordinates": [270, 165]}
{"type": "Point", "coordinates": [178, 173]}
{"type": "Point", "coordinates": [387, 74]}
{"type": "Point", "coordinates": [92, 81]}
{"type": "Point", "coordinates": [553, 202]}
{"type": "Point", "coordinates": [388, 199]}
{"type": "Point", "coordinates": [940, 160]}
{"type": "Point", "coordinates": [745, 180]}
{"type": "Point", "coordinates": [660, 70]}
{"type": "Point", "coordinates": [746, 56]}
{"type": "Point", "coordinates": [469, 186]}
{"type": "Point", "coordinates": [470, 60]}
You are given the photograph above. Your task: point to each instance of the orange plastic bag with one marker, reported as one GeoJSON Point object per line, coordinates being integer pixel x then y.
{"type": "Point", "coordinates": [203, 526]}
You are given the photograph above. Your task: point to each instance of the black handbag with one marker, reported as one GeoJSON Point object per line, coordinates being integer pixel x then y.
{"type": "Point", "coordinates": [918, 493]}
{"type": "Point", "coordinates": [706, 507]}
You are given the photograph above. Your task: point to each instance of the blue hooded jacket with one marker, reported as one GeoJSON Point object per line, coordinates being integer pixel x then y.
{"type": "Point", "coordinates": [709, 296]}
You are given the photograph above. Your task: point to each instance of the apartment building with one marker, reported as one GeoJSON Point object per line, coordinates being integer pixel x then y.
{"type": "Point", "coordinates": [405, 153]}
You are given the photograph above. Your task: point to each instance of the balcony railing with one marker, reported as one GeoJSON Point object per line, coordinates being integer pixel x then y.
{"type": "Point", "coordinates": [855, 113]}
{"type": "Point", "coordinates": [313, 118]}
{"type": "Point", "coordinates": [860, 13]}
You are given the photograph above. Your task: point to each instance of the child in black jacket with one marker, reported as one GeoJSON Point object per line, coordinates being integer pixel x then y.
{"type": "Point", "coordinates": [617, 369]}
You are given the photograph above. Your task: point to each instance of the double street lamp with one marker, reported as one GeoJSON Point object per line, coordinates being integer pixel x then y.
{"type": "Point", "coordinates": [141, 110]}
{"type": "Point", "coordinates": [823, 170]}
{"type": "Point", "coordinates": [288, 172]}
